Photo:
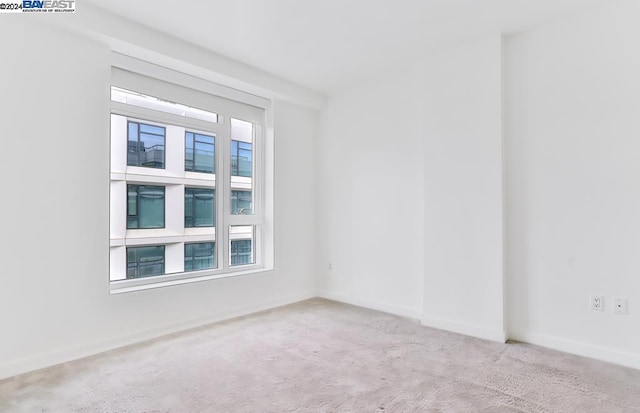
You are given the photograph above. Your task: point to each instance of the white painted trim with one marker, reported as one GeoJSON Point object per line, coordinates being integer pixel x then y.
{"type": "Point", "coordinates": [464, 328]}
{"type": "Point", "coordinates": [138, 66]}
{"type": "Point", "coordinates": [168, 280]}
{"type": "Point", "coordinates": [126, 37]}
{"type": "Point", "coordinates": [13, 368]}
{"type": "Point", "coordinates": [374, 305]}
{"type": "Point", "coordinates": [58, 356]}
{"type": "Point", "coordinates": [581, 349]}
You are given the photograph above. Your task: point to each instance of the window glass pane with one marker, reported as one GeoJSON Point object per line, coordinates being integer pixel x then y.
{"type": "Point", "coordinates": [199, 207]}
{"type": "Point", "coordinates": [241, 202]}
{"type": "Point", "coordinates": [199, 153]}
{"type": "Point", "coordinates": [199, 256]}
{"type": "Point", "coordinates": [145, 261]}
{"type": "Point", "coordinates": [132, 206]}
{"type": "Point", "coordinates": [241, 158]}
{"type": "Point", "coordinates": [145, 145]}
{"type": "Point", "coordinates": [241, 130]}
{"type": "Point", "coordinates": [241, 245]}
{"type": "Point", "coordinates": [241, 148]}
{"type": "Point", "coordinates": [188, 151]}
{"type": "Point", "coordinates": [145, 206]}
{"type": "Point", "coordinates": [152, 129]}
{"type": "Point", "coordinates": [241, 167]}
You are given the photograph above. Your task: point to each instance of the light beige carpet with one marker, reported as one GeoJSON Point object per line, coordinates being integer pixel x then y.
{"type": "Point", "coordinates": [321, 356]}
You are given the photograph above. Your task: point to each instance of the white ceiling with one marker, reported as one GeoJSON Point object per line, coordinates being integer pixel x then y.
{"type": "Point", "coordinates": [326, 44]}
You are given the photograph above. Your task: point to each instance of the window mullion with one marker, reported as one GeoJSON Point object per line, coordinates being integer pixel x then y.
{"type": "Point", "coordinates": [223, 183]}
{"type": "Point", "coordinates": [258, 188]}
{"type": "Point", "coordinates": [243, 220]}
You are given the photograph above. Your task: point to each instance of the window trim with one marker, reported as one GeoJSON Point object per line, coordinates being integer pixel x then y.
{"type": "Point", "coordinates": [261, 220]}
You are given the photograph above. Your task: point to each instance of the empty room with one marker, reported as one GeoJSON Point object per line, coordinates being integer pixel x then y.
{"type": "Point", "coordinates": [320, 206]}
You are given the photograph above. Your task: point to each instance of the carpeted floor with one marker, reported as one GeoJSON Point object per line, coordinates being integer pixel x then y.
{"type": "Point", "coordinates": [321, 356]}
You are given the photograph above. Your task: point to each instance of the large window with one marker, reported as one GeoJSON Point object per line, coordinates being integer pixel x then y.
{"type": "Point", "coordinates": [187, 195]}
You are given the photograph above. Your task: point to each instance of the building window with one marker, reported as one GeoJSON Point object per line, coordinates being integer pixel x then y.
{"type": "Point", "coordinates": [241, 252]}
{"type": "Point", "coordinates": [145, 261]}
{"type": "Point", "coordinates": [145, 206]}
{"type": "Point", "coordinates": [199, 207]}
{"type": "Point", "coordinates": [199, 155]}
{"type": "Point", "coordinates": [145, 145]}
{"type": "Point", "coordinates": [241, 158]}
{"type": "Point", "coordinates": [240, 202]}
{"type": "Point", "coordinates": [187, 175]}
{"type": "Point", "coordinates": [199, 256]}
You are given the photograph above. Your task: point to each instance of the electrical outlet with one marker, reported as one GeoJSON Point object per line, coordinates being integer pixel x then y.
{"type": "Point", "coordinates": [620, 306]}
{"type": "Point", "coordinates": [597, 302]}
{"type": "Point", "coordinates": [330, 266]}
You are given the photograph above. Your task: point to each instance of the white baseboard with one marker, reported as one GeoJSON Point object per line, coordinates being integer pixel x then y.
{"type": "Point", "coordinates": [374, 305]}
{"type": "Point", "coordinates": [58, 356]}
{"type": "Point", "coordinates": [466, 329]}
{"type": "Point", "coordinates": [581, 349]}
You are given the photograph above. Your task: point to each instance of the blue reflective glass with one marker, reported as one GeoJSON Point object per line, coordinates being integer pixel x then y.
{"type": "Point", "coordinates": [133, 131]}
{"type": "Point", "coordinates": [199, 256]}
{"type": "Point", "coordinates": [199, 207]}
{"type": "Point", "coordinates": [241, 158]}
{"type": "Point", "coordinates": [146, 144]}
{"type": "Point", "coordinates": [199, 153]}
{"type": "Point", "coordinates": [145, 206]}
{"type": "Point", "coordinates": [145, 261]}
{"type": "Point", "coordinates": [156, 130]}
{"type": "Point", "coordinates": [188, 151]}
{"type": "Point", "coordinates": [241, 252]}
{"type": "Point", "coordinates": [241, 202]}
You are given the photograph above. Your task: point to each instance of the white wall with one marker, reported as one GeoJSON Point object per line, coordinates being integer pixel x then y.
{"type": "Point", "coordinates": [463, 274]}
{"type": "Point", "coordinates": [54, 293]}
{"type": "Point", "coordinates": [370, 195]}
{"type": "Point", "coordinates": [569, 200]}
{"type": "Point", "coordinates": [572, 135]}
{"type": "Point", "coordinates": [411, 192]}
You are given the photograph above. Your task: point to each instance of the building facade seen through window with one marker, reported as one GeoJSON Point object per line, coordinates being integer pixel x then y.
{"type": "Point", "coordinates": [177, 205]}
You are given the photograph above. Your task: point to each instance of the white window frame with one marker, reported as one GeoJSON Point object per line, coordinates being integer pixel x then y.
{"type": "Point", "coordinates": [262, 182]}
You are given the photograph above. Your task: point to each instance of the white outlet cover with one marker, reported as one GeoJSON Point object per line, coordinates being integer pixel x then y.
{"type": "Point", "coordinates": [620, 306]}
{"type": "Point", "coordinates": [597, 302]}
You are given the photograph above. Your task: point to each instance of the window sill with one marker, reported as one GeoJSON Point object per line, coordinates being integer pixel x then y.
{"type": "Point", "coordinates": [126, 286]}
